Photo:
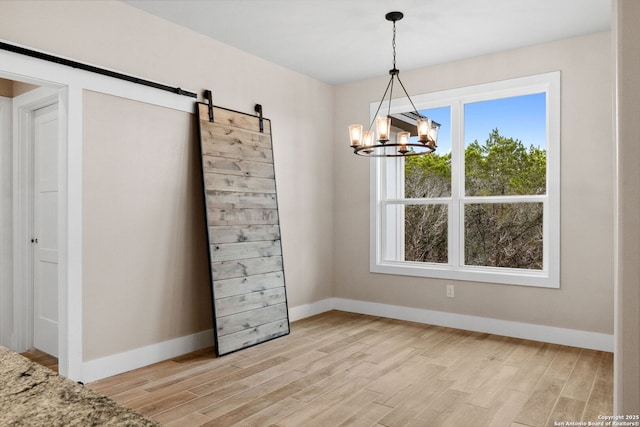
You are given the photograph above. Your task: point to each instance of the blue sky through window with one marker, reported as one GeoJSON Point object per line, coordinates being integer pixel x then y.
{"type": "Point", "coordinates": [520, 117]}
{"type": "Point", "coordinates": [441, 115]}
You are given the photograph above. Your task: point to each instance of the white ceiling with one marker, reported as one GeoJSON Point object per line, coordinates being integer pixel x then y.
{"type": "Point", "coordinates": [339, 41]}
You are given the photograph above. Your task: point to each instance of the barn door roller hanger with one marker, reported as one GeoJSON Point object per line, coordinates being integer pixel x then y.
{"type": "Point", "coordinates": [208, 96]}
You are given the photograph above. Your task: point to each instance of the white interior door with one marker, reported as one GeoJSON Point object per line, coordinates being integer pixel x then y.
{"type": "Point", "coordinates": [45, 229]}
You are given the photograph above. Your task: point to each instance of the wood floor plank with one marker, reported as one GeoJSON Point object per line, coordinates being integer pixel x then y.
{"type": "Point", "coordinates": [282, 347]}
{"type": "Point", "coordinates": [450, 350]}
{"type": "Point", "coordinates": [377, 370]}
{"type": "Point", "coordinates": [230, 389]}
{"type": "Point", "coordinates": [171, 388]}
{"type": "Point", "coordinates": [413, 400]}
{"type": "Point", "coordinates": [161, 405]}
{"type": "Point", "coordinates": [121, 387]}
{"type": "Point", "coordinates": [507, 407]}
{"type": "Point", "coordinates": [446, 405]}
{"type": "Point", "coordinates": [147, 372]}
{"type": "Point", "coordinates": [254, 406]}
{"type": "Point", "coordinates": [460, 415]}
{"type": "Point", "coordinates": [193, 419]}
{"type": "Point", "coordinates": [500, 348]}
{"type": "Point", "coordinates": [201, 403]}
{"type": "Point", "coordinates": [368, 415]}
{"type": "Point", "coordinates": [492, 389]}
{"type": "Point", "coordinates": [339, 368]}
{"type": "Point", "coordinates": [601, 400]}
{"type": "Point", "coordinates": [541, 402]}
{"type": "Point", "coordinates": [325, 380]}
{"type": "Point", "coordinates": [42, 358]}
{"type": "Point", "coordinates": [564, 363]}
{"type": "Point", "coordinates": [186, 379]}
{"type": "Point", "coordinates": [579, 384]}
{"type": "Point", "coordinates": [352, 354]}
{"type": "Point", "coordinates": [275, 412]}
{"type": "Point", "coordinates": [129, 395]}
{"type": "Point", "coordinates": [416, 369]}
{"type": "Point", "coordinates": [566, 409]}
{"type": "Point", "coordinates": [315, 410]}
{"type": "Point", "coordinates": [534, 366]}
{"type": "Point", "coordinates": [387, 349]}
{"type": "Point", "coordinates": [275, 389]}
{"type": "Point", "coordinates": [472, 374]}
{"type": "Point", "coordinates": [348, 339]}
{"type": "Point", "coordinates": [346, 408]}
{"type": "Point", "coordinates": [236, 376]}
{"type": "Point", "coordinates": [523, 351]}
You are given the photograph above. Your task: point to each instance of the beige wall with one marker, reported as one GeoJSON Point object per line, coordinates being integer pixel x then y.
{"type": "Point", "coordinates": [11, 89]}
{"type": "Point", "coordinates": [6, 88]}
{"type": "Point", "coordinates": [626, 14]}
{"type": "Point", "coordinates": [145, 259]}
{"type": "Point", "coordinates": [142, 276]}
{"type": "Point", "coordinates": [20, 87]}
{"type": "Point", "coordinates": [585, 299]}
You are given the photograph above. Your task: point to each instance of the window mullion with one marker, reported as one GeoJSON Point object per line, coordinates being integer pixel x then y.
{"type": "Point", "coordinates": [456, 232]}
{"type": "Point", "coordinates": [400, 230]}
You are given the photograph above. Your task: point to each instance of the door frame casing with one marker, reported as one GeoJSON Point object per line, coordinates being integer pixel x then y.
{"type": "Point", "coordinates": [6, 216]}
{"type": "Point", "coordinates": [24, 107]}
{"type": "Point", "coordinates": [74, 82]}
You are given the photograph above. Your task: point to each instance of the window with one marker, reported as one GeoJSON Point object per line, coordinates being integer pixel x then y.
{"type": "Point", "coordinates": [485, 206]}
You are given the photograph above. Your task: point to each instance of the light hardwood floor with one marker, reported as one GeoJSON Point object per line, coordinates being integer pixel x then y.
{"type": "Point", "coordinates": [344, 369]}
{"type": "Point", "coordinates": [42, 358]}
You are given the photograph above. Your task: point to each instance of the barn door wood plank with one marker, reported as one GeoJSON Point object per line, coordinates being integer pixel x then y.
{"type": "Point", "coordinates": [243, 229]}
{"type": "Point", "coordinates": [226, 166]}
{"type": "Point", "coordinates": [243, 233]}
{"type": "Point", "coordinates": [245, 267]}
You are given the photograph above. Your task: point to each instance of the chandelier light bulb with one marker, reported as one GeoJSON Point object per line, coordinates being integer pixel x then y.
{"type": "Point", "coordinates": [355, 132]}
{"type": "Point", "coordinates": [433, 133]}
{"type": "Point", "coordinates": [368, 138]}
{"type": "Point", "coordinates": [424, 127]}
{"type": "Point", "coordinates": [403, 140]}
{"type": "Point", "coordinates": [383, 127]}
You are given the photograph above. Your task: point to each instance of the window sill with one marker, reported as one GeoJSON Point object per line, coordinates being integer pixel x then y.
{"type": "Point", "coordinates": [542, 279]}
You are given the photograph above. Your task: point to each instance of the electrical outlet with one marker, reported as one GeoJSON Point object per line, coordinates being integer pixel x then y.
{"type": "Point", "coordinates": [450, 291]}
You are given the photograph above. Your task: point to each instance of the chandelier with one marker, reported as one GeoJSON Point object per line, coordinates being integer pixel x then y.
{"type": "Point", "coordinates": [365, 144]}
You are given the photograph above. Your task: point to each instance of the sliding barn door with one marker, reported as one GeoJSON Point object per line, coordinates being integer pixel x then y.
{"type": "Point", "coordinates": [247, 275]}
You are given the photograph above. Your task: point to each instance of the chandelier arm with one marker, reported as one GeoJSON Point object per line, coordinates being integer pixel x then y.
{"type": "Point", "coordinates": [380, 104]}
{"type": "Point", "coordinates": [415, 110]}
{"type": "Point", "coordinates": [390, 96]}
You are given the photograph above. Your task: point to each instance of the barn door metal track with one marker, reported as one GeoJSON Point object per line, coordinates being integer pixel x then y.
{"type": "Point", "coordinates": [93, 69]}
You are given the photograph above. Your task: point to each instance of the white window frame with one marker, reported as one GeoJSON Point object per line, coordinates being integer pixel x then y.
{"type": "Point", "coordinates": [383, 230]}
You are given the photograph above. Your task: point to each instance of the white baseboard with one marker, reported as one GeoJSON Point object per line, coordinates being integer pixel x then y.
{"type": "Point", "coordinates": [108, 366]}
{"type": "Point", "coordinates": [530, 331]}
{"type": "Point", "coordinates": [308, 310]}
{"type": "Point", "coordinates": [550, 334]}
